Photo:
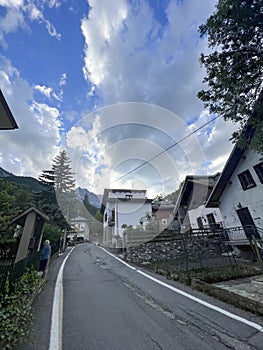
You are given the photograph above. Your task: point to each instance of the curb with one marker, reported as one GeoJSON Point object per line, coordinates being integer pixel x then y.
{"type": "Point", "coordinates": [235, 299]}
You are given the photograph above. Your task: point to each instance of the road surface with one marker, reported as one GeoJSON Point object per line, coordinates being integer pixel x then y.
{"type": "Point", "coordinates": [108, 305]}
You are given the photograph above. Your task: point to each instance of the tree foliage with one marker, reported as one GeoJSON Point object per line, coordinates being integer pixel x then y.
{"type": "Point", "coordinates": [234, 68]}
{"type": "Point", "coordinates": [58, 196]}
{"type": "Point", "coordinates": [46, 200]}
{"type": "Point", "coordinates": [173, 196]}
{"type": "Point", "coordinates": [13, 200]}
{"type": "Point", "coordinates": [63, 177]}
{"type": "Point", "coordinates": [52, 233]}
{"type": "Point", "coordinates": [91, 208]}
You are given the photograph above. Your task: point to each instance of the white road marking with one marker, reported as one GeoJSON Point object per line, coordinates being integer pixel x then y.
{"type": "Point", "coordinates": [115, 257]}
{"type": "Point", "coordinates": [189, 296]}
{"type": "Point", "coordinates": [55, 340]}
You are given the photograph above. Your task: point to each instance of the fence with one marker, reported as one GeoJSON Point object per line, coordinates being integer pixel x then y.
{"type": "Point", "coordinates": [242, 234]}
{"type": "Point", "coordinates": [13, 271]}
{"type": "Point", "coordinates": [183, 251]}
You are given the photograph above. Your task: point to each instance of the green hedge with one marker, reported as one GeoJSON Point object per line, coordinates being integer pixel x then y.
{"type": "Point", "coordinates": [16, 314]}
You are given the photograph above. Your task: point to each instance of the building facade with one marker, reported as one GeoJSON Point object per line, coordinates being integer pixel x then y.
{"type": "Point", "coordinates": [163, 213]}
{"type": "Point", "coordinates": [80, 228]}
{"type": "Point", "coordinates": [121, 208]}
{"type": "Point", "coordinates": [190, 208]}
{"type": "Point", "coordinates": [239, 194]}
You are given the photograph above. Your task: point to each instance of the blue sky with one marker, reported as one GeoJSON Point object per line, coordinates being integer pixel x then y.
{"type": "Point", "coordinates": [113, 82]}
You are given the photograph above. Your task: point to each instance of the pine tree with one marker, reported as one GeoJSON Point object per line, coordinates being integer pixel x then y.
{"type": "Point", "coordinates": [63, 177]}
{"type": "Point", "coordinates": [46, 200]}
{"type": "Point", "coordinates": [58, 198]}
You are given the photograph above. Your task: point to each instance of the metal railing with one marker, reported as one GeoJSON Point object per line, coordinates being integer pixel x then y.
{"type": "Point", "coordinates": [14, 271]}
{"type": "Point", "coordinates": [243, 233]}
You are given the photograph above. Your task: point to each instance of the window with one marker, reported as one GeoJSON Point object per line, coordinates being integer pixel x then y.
{"type": "Point", "coordinates": [259, 170]}
{"type": "Point", "coordinates": [199, 223]}
{"type": "Point", "coordinates": [246, 180]}
{"type": "Point", "coordinates": [128, 196]}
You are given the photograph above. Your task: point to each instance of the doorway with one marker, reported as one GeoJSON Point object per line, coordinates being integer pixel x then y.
{"type": "Point", "coordinates": [247, 222]}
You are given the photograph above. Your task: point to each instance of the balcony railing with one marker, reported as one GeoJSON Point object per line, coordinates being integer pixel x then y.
{"type": "Point", "coordinates": [244, 234]}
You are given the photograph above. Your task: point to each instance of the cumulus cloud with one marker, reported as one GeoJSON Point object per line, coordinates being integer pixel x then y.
{"type": "Point", "coordinates": [47, 91]}
{"type": "Point", "coordinates": [115, 140]}
{"type": "Point", "coordinates": [31, 148]}
{"type": "Point", "coordinates": [128, 57]}
{"type": "Point", "coordinates": [147, 66]}
{"type": "Point", "coordinates": [20, 13]}
{"type": "Point", "coordinates": [131, 56]}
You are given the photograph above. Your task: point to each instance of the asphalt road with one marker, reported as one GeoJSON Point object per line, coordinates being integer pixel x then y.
{"type": "Point", "coordinates": [108, 305]}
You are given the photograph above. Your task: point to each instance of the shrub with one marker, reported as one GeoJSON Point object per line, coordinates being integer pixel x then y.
{"type": "Point", "coordinates": [16, 314]}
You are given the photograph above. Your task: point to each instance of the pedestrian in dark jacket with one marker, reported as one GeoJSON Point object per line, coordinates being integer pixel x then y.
{"type": "Point", "coordinates": [44, 257]}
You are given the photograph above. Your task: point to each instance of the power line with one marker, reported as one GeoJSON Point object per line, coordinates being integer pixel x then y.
{"type": "Point", "coordinates": [166, 149]}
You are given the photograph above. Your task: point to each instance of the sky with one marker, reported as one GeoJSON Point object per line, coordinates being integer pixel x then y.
{"type": "Point", "coordinates": [114, 83]}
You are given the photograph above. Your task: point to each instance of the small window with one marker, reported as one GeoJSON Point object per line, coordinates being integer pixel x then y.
{"type": "Point", "coordinates": [128, 196]}
{"type": "Point", "coordinates": [106, 217]}
{"type": "Point", "coordinates": [199, 223]}
{"type": "Point", "coordinates": [246, 180]}
{"type": "Point", "coordinates": [259, 170]}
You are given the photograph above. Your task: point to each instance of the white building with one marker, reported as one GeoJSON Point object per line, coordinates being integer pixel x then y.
{"type": "Point", "coordinates": [190, 208]}
{"type": "Point", "coordinates": [80, 227]}
{"type": "Point", "coordinates": [122, 207]}
{"type": "Point", "coordinates": [239, 195]}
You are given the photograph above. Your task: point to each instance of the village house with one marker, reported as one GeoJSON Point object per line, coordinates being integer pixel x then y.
{"type": "Point", "coordinates": [163, 213]}
{"type": "Point", "coordinates": [80, 228]}
{"type": "Point", "coordinates": [121, 208]}
{"type": "Point", "coordinates": [193, 216]}
{"type": "Point", "coordinates": [239, 195]}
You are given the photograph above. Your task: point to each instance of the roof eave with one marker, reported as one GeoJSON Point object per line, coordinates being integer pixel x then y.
{"type": "Point", "coordinates": [7, 120]}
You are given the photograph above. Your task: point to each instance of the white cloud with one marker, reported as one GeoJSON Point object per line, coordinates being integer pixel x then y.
{"type": "Point", "coordinates": [11, 3]}
{"type": "Point", "coordinates": [129, 57]}
{"type": "Point", "coordinates": [47, 91]}
{"type": "Point", "coordinates": [10, 23]}
{"type": "Point", "coordinates": [31, 148]}
{"type": "Point", "coordinates": [113, 141]}
{"type": "Point", "coordinates": [63, 80]}
{"type": "Point", "coordinates": [19, 14]}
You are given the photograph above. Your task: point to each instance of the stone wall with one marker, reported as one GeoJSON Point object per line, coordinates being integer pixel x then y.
{"type": "Point", "coordinates": [190, 249]}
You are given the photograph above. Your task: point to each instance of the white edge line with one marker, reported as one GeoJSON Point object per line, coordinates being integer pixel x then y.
{"type": "Point", "coordinates": [55, 339]}
{"type": "Point", "coordinates": [114, 256]}
{"type": "Point", "coordinates": [189, 296]}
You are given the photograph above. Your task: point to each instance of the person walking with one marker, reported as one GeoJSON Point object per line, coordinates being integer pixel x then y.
{"type": "Point", "coordinates": [44, 257]}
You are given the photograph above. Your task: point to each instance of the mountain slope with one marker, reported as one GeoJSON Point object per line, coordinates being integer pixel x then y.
{"type": "Point", "coordinates": [25, 181]}
{"type": "Point", "coordinates": [93, 198]}
{"type": "Point", "coordinates": [35, 186]}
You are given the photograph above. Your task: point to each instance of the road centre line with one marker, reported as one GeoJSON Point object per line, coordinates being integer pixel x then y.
{"type": "Point", "coordinates": [189, 296]}
{"type": "Point", "coordinates": [55, 339]}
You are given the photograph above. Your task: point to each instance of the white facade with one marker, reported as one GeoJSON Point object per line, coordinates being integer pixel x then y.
{"type": "Point", "coordinates": [122, 207]}
{"type": "Point", "coordinates": [81, 228]}
{"type": "Point", "coordinates": [202, 215]}
{"type": "Point", "coordinates": [234, 197]}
